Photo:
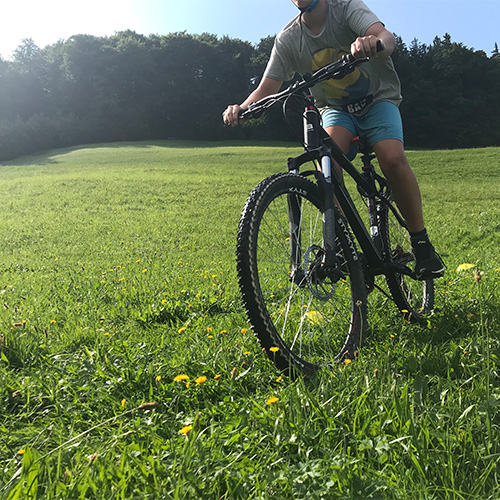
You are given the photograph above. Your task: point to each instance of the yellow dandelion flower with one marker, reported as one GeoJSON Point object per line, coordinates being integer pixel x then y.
{"type": "Point", "coordinates": [315, 317]}
{"type": "Point", "coordinates": [158, 378]}
{"type": "Point", "coordinates": [180, 378]}
{"type": "Point", "coordinates": [217, 377]}
{"type": "Point", "coordinates": [106, 334]}
{"type": "Point", "coordinates": [164, 301]}
{"type": "Point", "coordinates": [246, 353]}
{"type": "Point", "coordinates": [347, 361]}
{"type": "Point", "coordinates": [52, 321]}
{"type": "Point", "coordinates": [244, 330]}
{"type": "Point", "coordinates": [222, 332]}
{"type": "Point", "coordinates": [274, 349]}
{"type": "Point", "coordinates": [124, 402]}
{"type": "Point", "coordinates": [186, 429]}
{"type": "Point", "coordinates": [465, 267]}
{"type": "Point", "coordinates": [201, 379]}
{"type": "Point", "coordinates": [279, 379]}
{"type": "Point", "coordinates": [272, 400]}
{"type": "Point", "coordinates": [181, 329]}
{"type": "Point", "coordinates": [209, 329]}
{"type": "Point", "coordinates": [138, 261]}
{"type": "Point", "coordinates": [21, 452]}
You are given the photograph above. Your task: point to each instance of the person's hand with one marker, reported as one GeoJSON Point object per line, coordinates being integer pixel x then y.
{"type": "Point", "coordinates": [230, 116]}
{"type": "Point", "coordinates": [366, 46]}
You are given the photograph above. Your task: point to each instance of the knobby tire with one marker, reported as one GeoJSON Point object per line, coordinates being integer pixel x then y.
{"type": "Point", "coordinates": [303, 321]}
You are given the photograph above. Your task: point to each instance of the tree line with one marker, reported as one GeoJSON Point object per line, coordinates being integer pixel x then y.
{"type": "Point", "coordinates": [128, 86]}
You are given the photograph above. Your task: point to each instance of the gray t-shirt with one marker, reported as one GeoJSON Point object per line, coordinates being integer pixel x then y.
{"type": "Point", "coordinates": [297, 50]}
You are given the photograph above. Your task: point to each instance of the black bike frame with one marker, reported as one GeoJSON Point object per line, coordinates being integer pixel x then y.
{"type": "Point", "coordinates": [330, 149]}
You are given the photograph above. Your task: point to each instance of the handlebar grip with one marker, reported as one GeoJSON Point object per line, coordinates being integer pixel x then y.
{"type": "Point", "coordinates": [380, 46]}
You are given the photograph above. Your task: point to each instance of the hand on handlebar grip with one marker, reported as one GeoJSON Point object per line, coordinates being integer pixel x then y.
{"type": "Point", "coordinates": [231, 115]}
{"type": "Point", "coordinates": [367, 46]}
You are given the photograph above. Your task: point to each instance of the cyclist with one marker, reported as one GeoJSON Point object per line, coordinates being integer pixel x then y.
{"type": "Point", "coordinates": [364, 103]}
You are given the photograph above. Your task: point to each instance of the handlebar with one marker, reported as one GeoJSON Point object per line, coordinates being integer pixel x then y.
{"type": "Point", "coordinates": [335, 70]}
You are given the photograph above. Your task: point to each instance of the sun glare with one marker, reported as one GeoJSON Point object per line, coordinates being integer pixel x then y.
{"type": "Point", "coordinates": [52, 20]}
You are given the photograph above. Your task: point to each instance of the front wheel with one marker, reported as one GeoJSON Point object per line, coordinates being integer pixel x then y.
{"type": "Point", "coordinates": [304, 318]}
{"type": "Point", "coordinates": [414, 298]}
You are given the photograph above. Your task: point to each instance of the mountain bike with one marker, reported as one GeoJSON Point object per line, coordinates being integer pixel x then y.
{"type": "Point", "coordinates": [306, 260]}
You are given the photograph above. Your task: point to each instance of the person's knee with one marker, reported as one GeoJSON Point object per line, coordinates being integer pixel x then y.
{"type": "Point", "coordinates": [395, 163]}
{"type": "Point", "coordinates": [392, 157]}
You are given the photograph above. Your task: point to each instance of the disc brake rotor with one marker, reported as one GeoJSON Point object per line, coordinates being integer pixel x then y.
{"type": "Point", "coordinates": [320, 285]}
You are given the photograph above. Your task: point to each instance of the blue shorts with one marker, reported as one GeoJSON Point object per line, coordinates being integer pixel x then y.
{"type": "Point", "coordinates": [381, 121]}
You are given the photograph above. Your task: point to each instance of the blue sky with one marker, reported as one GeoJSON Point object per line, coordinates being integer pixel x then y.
{"type": "Point", "coordinates": [476, 23]}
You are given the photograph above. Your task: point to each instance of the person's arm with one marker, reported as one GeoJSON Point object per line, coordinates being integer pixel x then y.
{"type": "Point", "coordinates": [366, 46]}
{"type": "Point", "coordinates": [266, 87]}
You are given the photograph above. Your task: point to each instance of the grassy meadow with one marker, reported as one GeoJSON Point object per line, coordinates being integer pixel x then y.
{"type": "Point", "coordinates": [128, 369]}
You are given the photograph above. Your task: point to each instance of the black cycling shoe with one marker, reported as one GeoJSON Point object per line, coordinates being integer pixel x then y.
{"type": "Point", "coordinates": [428, 264]}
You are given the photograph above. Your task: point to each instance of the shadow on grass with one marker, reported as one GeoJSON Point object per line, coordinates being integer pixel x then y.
{"type": "Point", "coordinates": [48, 157]}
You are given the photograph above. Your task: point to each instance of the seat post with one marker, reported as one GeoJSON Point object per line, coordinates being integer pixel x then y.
{"type": "Point", "coordinates": [366, 151]}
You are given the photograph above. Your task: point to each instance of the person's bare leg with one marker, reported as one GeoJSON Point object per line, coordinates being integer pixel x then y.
{"type": "Point", "coordinates": [402, 181]}
{"type": "Point", "coordinates": [343, 137]}
{"type": "Point", "coordinates": [404, 187]}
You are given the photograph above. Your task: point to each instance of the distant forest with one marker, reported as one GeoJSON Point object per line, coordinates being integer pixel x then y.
{"type": "Point", "coordinates": [130, 87]}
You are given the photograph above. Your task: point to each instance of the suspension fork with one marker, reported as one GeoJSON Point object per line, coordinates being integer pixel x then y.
{"type": "Point", "coordinates": [294, 222]}
{"type": "Point", "coordinates": [328, 194]}
{"type": "Point", "coordinates": [313, 141]}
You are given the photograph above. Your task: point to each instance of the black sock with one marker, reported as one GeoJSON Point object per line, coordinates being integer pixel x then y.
{"type": "Point", "coordinates": [415, 238]}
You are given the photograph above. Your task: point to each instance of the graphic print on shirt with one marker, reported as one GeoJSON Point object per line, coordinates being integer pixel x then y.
{"type": "Point", "coordinates": [355, 85]}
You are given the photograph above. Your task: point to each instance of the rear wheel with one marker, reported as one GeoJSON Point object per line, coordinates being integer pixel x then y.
{"type": "Point", "coordinates": [304, 317]}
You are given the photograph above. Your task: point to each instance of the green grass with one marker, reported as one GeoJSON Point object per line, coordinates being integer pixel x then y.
{"type": "Point", "coordinates": [117, 273]}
